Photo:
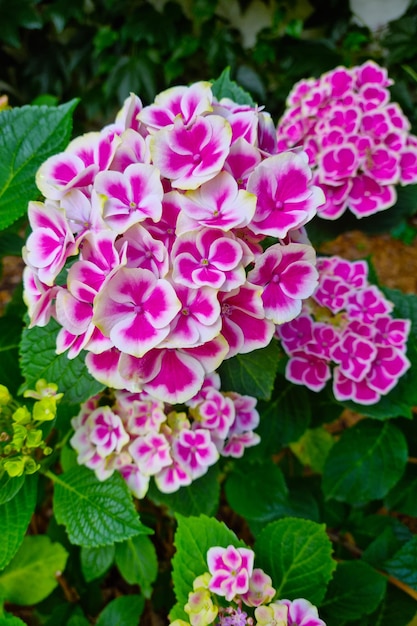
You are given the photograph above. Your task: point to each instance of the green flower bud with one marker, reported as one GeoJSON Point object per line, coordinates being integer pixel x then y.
{"type": "Point", "coordinates": [15, 466]}
{"type": "Point", "coordinates": [22, 415]}
{"type": "Point", "coordinates": [34, 438]}
{"type": "Point", "coordinates": [19, 436]}
{"type": "Point", "coordinates": [5, 396]}
{"type": "Point", "coordinates": [30, 465]}
{"type": "Point", "coordinates": [44, 410]}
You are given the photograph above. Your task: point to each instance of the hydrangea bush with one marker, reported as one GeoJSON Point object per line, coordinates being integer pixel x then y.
{"type": "Point", "coordinates": [202, 359]}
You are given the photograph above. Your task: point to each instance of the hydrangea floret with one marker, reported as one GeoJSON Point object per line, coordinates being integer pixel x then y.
{"type": "Point", "coordinates": [22, 443]}
{"type": "Point", "coordinates": [142, 437]}
{"type": "Point", "coordinates": [346, 332]}
{"type": "Point", "coordinates": [147, 247]}
{"type": "Point", "coordinates": [234, 593]}
{"type": "Point", "coordinates": [358, 142]}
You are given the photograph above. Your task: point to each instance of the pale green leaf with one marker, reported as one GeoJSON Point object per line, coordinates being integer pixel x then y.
{"type": "Point", "coordinates": [313, 447]}
{"type": "Point", "coordinates": [32, 574]}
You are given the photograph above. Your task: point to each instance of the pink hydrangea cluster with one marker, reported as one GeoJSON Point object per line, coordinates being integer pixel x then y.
{"type": "Point", "coordinates": [346, 331]}
{"type": "Point", "coordinates": [248, 591]}
{"type": "Point", "coordinates": [358, 142]}
{"type": "Point", "coordinates": [142, 437]}
{"type": "Point", "coordinates": [147, 249]}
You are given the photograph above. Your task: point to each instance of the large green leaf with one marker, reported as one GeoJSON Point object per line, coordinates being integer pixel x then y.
{"type": "Point", "coordinates": [32, 574]}
{"type": "Point", "coordinates": [403, 565]}
{"type": "Point", "coordinates": [28, 136]}
{"type": "Point", "coordinates": [252, 373]}
{"type": "Point", "coordinates": [9, 486]}
{"type": "Point", "coordinates": [137, 562]}
{"type": "Point", "coordinates": [15, 517]}
{"type": "Point", "coordinates": [193, 538]}
{"type": "Point", "coordinates": [396, 608]}
{"type": "Point", "coordinates": [199, 498]}
{"type": "Point", "coordinates": [123, 611]}
{"type": "Point", "coordinates": [355, 590]}
{"type": "Point", "coordinates": [366, 462]}
{"type": "Point", "coordinates": [402, 498]}
{"type": "Point", "coordinates": [297, 554]}
{"type": "Point", "coordinates": [95, 513]}
{"type": "Point", "coordinates": [39, 360]}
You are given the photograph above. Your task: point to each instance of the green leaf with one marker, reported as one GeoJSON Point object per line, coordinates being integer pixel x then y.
{"type": "Point", "coordinates": [355, 590]}
{"type": "Point", "coordinates": [95, 513]}
{"type": "Point", "coordinates": [259, 494]}
{"type": "Point", "coordinates": [193, 538]}
{"type": "Point", "coordinates": [384, 546]}
{"type": "Point", "coordinates": [32, 574]}
{"type": "Point", "coordinates": [7, 619]}
{"type": "Point", "coordinates": [365, 463]}
{"type": "Point", "coordinates": [137, 562]}
{"type": "Point", "coordinates": [11, 244]}
{"type": "Point", "coordinates": [10, 486]}
{"type": "Point", "coordinates": [201, 497]}
{"type": "Point", "coordinates": [96, 561]}
{"type": "Point", "coordinates": [15, 515]}
{"type": "Point", "coordinates": [403, 564]}
{"type": "Point", "coordinates": [123, 611]}
{"type": "Point", "coordinates": [396, 608]}
{"type": "Point", "coordinates": [39, 360]}
{"type": "Point", "coordinates": [297, 554]}
{"type": "Point", "coordinates": [313, 447]}
{"type": "Point", "coordinates": [252, 373]}
{"type": "Point", "coordinates": [225, 87]}
{"type": "Point", "coordinates": [28, 136]}
{"type": "Point", "coordinates": [402, 498]}
{"type": "Point", "coordinates": [23, 15]}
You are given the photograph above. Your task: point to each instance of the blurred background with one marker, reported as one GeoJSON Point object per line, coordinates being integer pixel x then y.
{"type": "Point", "coordinates": [100, 50]}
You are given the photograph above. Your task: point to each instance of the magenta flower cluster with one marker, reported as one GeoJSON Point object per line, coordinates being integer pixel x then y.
{"type": "Point", "coordinates": [346, 331]}
{"type": "Point", "coordinates": [358, 142]}
{"type": "Point", "coordinates": [142, 437]}
{"type": "Point", "coordinates": [248, 591]}
{"type": "Point", "coordinates": [147, 251]}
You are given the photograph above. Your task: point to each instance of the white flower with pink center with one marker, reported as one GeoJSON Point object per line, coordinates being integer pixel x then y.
{"type": "Point", "coordinates": [216, 413]}
{"type": "Point", "coordinates": [230, 569]}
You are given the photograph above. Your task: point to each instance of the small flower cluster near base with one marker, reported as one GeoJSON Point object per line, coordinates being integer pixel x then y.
{"type": "Point", "coordinates": [142, 437]}
{"type": "Point", "coordinates": [346, 331]}
{"type": "Point", "coordinates": [358, 142]}
{"type": "Point", "coordinates": [248, 591]}
{"type": "Point", "coordinates": [147, 251]}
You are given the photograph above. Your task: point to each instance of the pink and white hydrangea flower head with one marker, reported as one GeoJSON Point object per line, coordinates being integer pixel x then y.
{"type": "Point", "coordinates": [344, 335]}
{"type": "Point", "coordinates": [358, 142]}
{"type": "Point", "coordinates": [147, 247]}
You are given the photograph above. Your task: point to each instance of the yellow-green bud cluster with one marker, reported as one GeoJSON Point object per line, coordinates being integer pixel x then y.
{"type": "Point", "coordinates": [21, 436]}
